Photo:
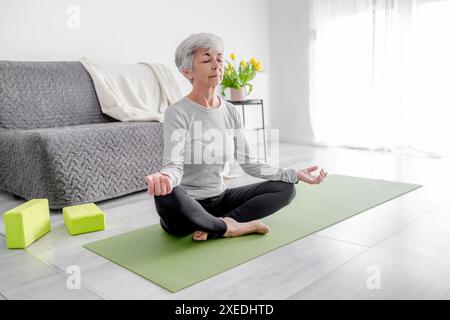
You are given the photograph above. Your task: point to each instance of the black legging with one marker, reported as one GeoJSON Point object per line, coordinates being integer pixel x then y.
{"type": "Point", "coordinates": [180, 214]}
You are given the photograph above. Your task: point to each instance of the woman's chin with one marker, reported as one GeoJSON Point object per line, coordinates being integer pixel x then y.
{"type": "Point", "coordinates": [213, 83]}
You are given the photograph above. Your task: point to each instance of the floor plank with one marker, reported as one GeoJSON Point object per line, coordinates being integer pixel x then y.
{"type": "Point", "coordinates": [4, 251]}
{"type": "Point", "coordinates": [22, 268]}
{"type": "Point", "coordinates": [446, 296]}
{"type": "Point", "coordinates": [306, 294]}
{"type": "Point", "coordinates": [52, 287]}
{"type": "Point", "coordinates": [413, 263]}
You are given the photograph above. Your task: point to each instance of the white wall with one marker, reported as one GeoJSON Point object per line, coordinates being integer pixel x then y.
{"type": "Point", "coordinates": [134, 30]}
{"type": "Point", "coordinates": [289, 45]}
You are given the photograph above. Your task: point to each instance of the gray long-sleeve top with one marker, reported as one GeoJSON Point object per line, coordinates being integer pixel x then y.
{"type": "Point", "coordinates": [199, 140]}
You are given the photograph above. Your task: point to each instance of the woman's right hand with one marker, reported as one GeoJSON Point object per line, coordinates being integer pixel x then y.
{"type": "Point", "coordinates": [159, 184]}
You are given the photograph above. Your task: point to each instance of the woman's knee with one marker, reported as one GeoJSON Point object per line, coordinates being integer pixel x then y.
{"type": "Point", "coordinates": [168, 200]}
{"type": "Point", "coordinates": [168, 206]}
{"type": "Point", "coordinates": [287, 191]}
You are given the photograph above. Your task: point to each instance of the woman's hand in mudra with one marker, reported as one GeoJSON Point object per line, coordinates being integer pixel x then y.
{"type": "Point", "coordinates": [159, 184]}
{"type": "Point", "coordinates": [306, 175]}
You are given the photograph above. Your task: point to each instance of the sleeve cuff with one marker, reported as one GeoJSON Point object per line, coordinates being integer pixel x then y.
{"type": "Point", "coordinates": [290, 175]}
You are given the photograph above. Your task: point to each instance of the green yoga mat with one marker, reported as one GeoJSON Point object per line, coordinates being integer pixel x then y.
{"type": "Point", "coordinates": [173, 262]}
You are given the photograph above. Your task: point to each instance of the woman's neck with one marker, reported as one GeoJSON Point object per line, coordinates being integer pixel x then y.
{"type": "Point", "coordinates": [206, 97]}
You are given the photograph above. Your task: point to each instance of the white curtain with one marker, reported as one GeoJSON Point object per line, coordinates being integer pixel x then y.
{"type": "Point", "coordinates": [380, 75]}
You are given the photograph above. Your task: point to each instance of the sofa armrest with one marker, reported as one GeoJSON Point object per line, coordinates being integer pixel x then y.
{"type": "Point", "coordinates": [22, 160]}
{"type": "Point", "coordinates": [80, 164]}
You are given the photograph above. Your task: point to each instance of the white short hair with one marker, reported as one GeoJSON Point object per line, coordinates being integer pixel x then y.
{"type": "Point", "coordinates": [184, 54]}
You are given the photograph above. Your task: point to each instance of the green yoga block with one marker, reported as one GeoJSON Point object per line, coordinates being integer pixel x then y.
{"type": "Point", "coordinates": [83, 218]}
{"type": "Point", "coordinates": [26, 223]}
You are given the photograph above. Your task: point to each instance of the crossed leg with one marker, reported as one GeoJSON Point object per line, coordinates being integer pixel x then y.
{"type": "Point", "coordinates": [242, 207]}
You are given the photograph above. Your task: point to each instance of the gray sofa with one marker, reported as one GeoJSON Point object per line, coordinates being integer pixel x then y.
{"type": "Point", "coordinates": [55, 142]}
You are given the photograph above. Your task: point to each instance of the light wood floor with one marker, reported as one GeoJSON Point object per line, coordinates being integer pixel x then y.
{"type": "Point", "coordinates": [407, 240]}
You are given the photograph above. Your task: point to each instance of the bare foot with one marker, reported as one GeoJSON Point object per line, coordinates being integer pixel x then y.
{"type": "Point", "coordinates": [236, 229]}
{"type": "Point", "coordinates": [200, 236]}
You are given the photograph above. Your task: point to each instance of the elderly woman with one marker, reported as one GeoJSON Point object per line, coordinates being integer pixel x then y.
{"type": "Point", "coordinates": [190, 195]}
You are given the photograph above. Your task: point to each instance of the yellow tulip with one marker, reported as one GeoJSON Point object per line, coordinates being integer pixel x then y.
{"type": "Point", "coordinates": [233, 56]}
{"type": "Point", "coordinates": [243, 64]}
{"type": "Point", "coordinates": [254, 62]}
{"type": "Point", "coordinates": [258, 66]}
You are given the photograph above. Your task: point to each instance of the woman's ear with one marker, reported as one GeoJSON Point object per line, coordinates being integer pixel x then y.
{"type": "Point", "coordinates": [188, 74]}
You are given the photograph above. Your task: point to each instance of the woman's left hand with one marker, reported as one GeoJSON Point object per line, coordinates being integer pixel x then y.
{"type": "Point", "coordinates": [306, 175]}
